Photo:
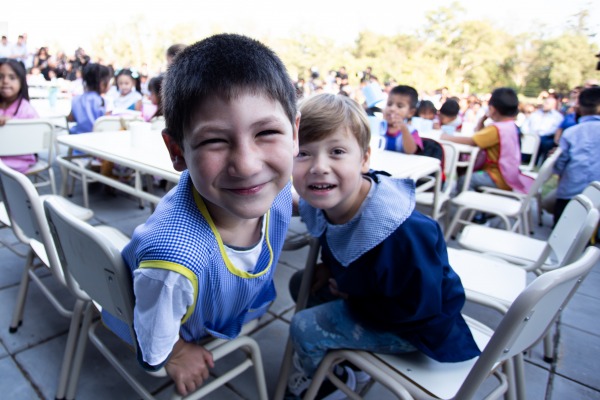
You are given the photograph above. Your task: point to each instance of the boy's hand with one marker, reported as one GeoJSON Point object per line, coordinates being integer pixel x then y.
{"type": "Point", "coordinates": [321, 277]}
{"type": "Point", "coordinates": [333, 287]}
{"type": "Point", "coordinates": [3, 120]}
{"type": "Point", "coordinates": [188, 366]}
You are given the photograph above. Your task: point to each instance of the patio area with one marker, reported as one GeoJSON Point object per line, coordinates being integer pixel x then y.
{"type": "Point", "coordinates": [30, 359]}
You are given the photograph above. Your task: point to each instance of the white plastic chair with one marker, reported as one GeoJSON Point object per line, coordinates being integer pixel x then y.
{"type": "Point", "coordinates": [567, 239]}
{"type": "Point", "coordinates": [439, 201]}
{"type": "Point", "coordinates": [31, 136]}
{"type": "Point", "coordinates": [414, 375]}
{"type": "Point", "coordinates": [530, 143]}
{"type": "Point", "coordinates": [102, 124]}
{"type": "Point", "coordinates": [97, 268]}
{"type": "Point", "coordinates": [27, 220]}
{"type": "Point", "coordinates": [494, 282]}
{"type": "Point", "coordinates": [502, 203]}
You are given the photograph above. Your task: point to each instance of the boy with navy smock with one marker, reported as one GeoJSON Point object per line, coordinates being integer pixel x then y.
{"type": "Point", "coordinates": [203, 263]}
{"type": "Point", "coordinates": [384, 265]}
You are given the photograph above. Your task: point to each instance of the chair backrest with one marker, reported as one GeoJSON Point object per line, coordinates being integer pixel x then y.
{"type": "Point", "coordinates": [27, 136]}
{"type": "Point", "coordinates": [93, 261]}
{"type": "Point", "coordinates": [26, 215]}
{"type": "Point", "coordinates": [529, 317]}
{"type": "Point", "coordinates": [451, 155]}
{"type": "Point", "coordinates": [592, 192]}
{"type": "Point", "coordinates": [530, 143]}
{"type": "Point", "coordinates": [572, 232]}
{"type": "Point", "coordinates": [115, 122]}
{"type": "Point", "coordinates": [543, 175]}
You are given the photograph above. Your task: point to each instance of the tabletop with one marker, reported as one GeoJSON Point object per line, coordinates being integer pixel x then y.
{"type": "Point", "coordinates": [147, 154]}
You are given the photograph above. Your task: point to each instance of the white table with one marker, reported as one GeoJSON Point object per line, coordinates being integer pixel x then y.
{"type": "Point", "coordinates": [146, 155]}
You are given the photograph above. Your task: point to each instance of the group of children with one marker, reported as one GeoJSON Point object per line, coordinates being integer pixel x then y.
{"type": "Point", "coordinates": [203, 263]}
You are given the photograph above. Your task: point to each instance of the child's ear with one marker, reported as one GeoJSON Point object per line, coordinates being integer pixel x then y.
{"type": "Point", "coordinates": [295, 133]}
{"type": "Point", "coordinates": [366, 161]}
{"type": "Point", "coordinates": [175, 152]}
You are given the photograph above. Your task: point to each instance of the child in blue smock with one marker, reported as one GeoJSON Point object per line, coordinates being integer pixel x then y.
{"type": "Point", "coordinates": [203, 263]}
{"type": "Point", "coordinates": [384, 265]}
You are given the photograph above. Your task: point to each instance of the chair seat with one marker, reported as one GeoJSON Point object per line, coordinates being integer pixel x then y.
{"type": "Point", "coordinates": [441, 379]}
{"type": "Point", "coordinates": [488, 276]}
{"type": "Point", "coordinates": [514, 247]}
{"type": "Point", "coordinates": [489, 203]}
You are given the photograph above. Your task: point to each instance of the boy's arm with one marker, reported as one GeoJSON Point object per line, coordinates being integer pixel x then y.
{"type": "Point", "coordinates": [408, 142]}
{"type": "Point", "coordinates": [458, 139]}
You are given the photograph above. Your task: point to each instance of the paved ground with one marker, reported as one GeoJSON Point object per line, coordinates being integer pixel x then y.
{"type": "Point", "coordinates": [30, 358]}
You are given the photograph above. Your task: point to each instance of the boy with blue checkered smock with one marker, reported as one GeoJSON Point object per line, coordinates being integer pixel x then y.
{"type": "Point", "coordinates": [385, 284]}
{"type": "Point", "coordinates": [203, 263]}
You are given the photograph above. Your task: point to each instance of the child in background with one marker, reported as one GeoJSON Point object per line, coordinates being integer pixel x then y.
{"type": "Point", "coordinates": [578, 164]}
{"type": "Point", "coordinates": [400, 108]}
{"type": "Point", "coordinates": [427, 110]}
{"type": "Point", "coordinates": [127, 92]}
{"type": "Point", "coordinates": [154, 109]}
{"type": "Point", "coordinates": [500, 141]}
{"type": "Point", "coordinates": [450, 122]}
{"type": "Point", "coordinates": [88, 107]}
{"type": "Point", "coordinates": [203, 263]}
{"type": "Point", "coordinates": [385, 268]}
{"type": "Point", "coordinates": [14, 103]}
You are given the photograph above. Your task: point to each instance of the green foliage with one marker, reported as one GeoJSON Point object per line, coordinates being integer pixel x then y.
{"type": "Point", "coordinates": [467, 56]}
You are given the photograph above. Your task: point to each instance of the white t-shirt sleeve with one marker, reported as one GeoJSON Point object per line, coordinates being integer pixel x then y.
{"type": "Point", "coordinates": [162, 298]}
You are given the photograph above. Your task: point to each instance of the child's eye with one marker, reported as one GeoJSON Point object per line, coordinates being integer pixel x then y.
{"type": "Point", "coordinates": [338, 152]}
{"type": "Point", "coordinates": [210, 141]}
{"type": "Point", "coordinates": [302, 154]}
{"type": "Point", "coordinates": [267, 133]}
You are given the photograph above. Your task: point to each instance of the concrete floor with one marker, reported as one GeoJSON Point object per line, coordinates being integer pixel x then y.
{"type": "Point", "coordinates": [30, 359]}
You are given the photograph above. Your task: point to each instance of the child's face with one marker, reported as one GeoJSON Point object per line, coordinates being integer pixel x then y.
{"type": "Point", "coordinates": [327, 174]}
{"type": "Point", "coordinates": [239, 154]}
{"type": "Point", "coordinates": [398, 108]}
{"type": "Point", "coordinates": [10, 85]}
{"type": "Point", "coordinates": [153, 97]}
{"type": "Point", "coordinates": [446, 119]}
{"type": "Point", "coordinates": [427, 114]}
{"type": "Point", "coordinates": [125, 84]}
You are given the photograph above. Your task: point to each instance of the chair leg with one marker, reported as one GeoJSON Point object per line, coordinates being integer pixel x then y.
{"type": "Point", "coordinates": [17, 318]}
{"type": "Point", "coordinates": [284, 371]}
{"type": "Point", "coordinates": [453, 224]}
{"type": "Point", "coordinates": [519, 371]}
{"type": "Point", "coordinates": [84, 189]}
{"type": "Point", "coordinates": [70, 347]}
{"type": "Point", "coordinates": [77, 357]}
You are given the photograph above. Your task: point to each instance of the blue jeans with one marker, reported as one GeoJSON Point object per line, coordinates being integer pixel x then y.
{"type": "Point", "coordinates": [479, 178]}
{"type": "Point", "coordinates": [330, 326]}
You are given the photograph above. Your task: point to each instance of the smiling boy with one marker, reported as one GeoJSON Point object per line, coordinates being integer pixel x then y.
{"type": "Point", "coordinates": [203, 263]}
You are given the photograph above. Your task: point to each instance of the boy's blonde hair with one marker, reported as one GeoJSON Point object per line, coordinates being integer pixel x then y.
{"type": "Point", "coordinates": [322, 114]}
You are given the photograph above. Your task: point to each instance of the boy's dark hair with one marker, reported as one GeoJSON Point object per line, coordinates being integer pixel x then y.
{"type": "Point", "coordinates": [450, 108]}
{"type": "Point", "coordinates": [175, 49]}
{"type": "Point", "coordinates": [589, 101]}
{"type": "Point", "coordinates": [155, 86]}
{"type": "Point", "coordinates": [505, 101]}
{"type": "Point", "coordinates": [405, 90]}
{"type": "Point", "coordinates": [133, 75]}
{"type": "Point", "coordinates": [224, 65]}
{"type": "Point", "coordinates": [425, 106]}
{"type": "Point", "coordinates": [94, 74]}
{"type": "Point", "coordinates": [21, 73]}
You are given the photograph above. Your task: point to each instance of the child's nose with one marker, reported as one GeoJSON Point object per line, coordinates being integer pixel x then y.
{"type": "Point", "coordinates": [319, 165]}
{"type": "Point", "coordinates": [245, 161]}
